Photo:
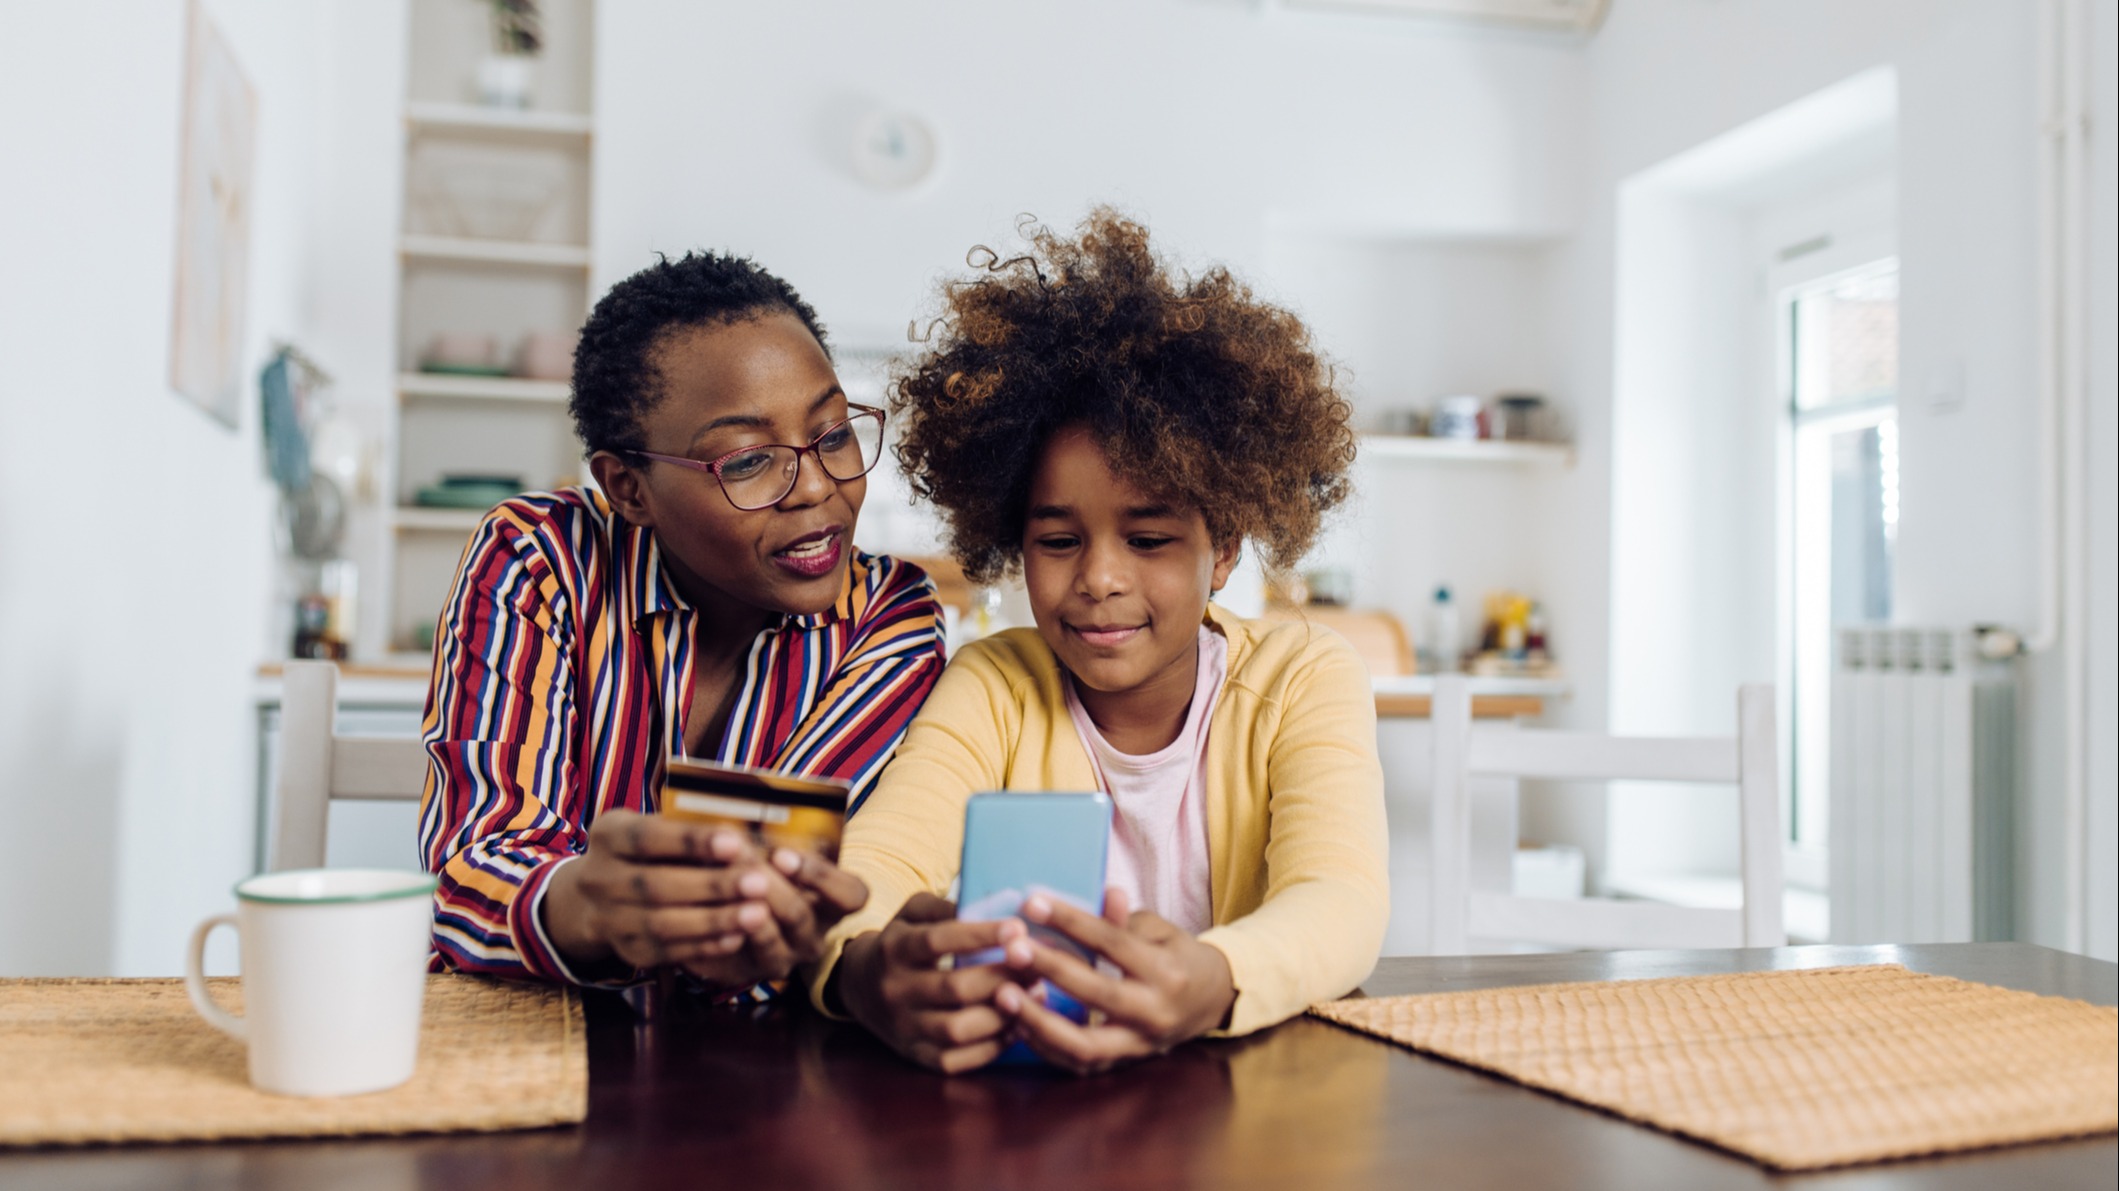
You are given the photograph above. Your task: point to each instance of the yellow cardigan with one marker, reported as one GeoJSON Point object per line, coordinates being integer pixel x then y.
{"type": "Point", "coordinates": [1296, 843]}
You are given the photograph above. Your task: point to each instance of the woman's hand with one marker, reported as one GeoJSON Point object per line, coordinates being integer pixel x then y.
{"type": "Point", "coordinates": [892, 982]}
{"type": "Point", "coordinates": [652, 891]}
{"type": "Point", "coordinates": [1172, 988]}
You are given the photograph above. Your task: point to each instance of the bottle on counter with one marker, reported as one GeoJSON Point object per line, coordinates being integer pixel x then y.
{"type": "Point", "coordinates": [1442, 632]}
{"type": "Point", "coordinates": [1515, 629]}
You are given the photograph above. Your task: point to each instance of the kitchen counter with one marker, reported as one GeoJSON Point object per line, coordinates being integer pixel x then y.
{"type": "Point", "coordinates": [1411, 696]}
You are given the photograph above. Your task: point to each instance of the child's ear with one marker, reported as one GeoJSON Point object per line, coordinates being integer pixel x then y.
{"type": "Point", "coordinates": [622, 485]}
{"type": "Point", "coordinates": [1226, 555]}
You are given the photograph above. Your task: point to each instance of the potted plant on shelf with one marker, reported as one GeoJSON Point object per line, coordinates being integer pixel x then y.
{"type": "Point", "coordinates": [506, 76]}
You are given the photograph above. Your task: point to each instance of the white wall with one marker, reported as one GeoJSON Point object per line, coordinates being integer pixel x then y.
{"type": "Point", "coordinates": [1408, 320]}
{"type": "Point", "coordinates": [1668, 75]}
{"type": "Point", "coordinates": [135, 531]}
{"type": "Point", "coordinates": [724, 126]}
{"type": "Point", "coordinates": [1697, 423]}
{"type": "Point", "coordinates": [1690, 619]}
{"type": "Point", "coordinates": [2102, 827]}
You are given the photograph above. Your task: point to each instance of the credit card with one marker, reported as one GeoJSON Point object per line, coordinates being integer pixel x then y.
{"type": "Point", "coordinates": [777, 810]}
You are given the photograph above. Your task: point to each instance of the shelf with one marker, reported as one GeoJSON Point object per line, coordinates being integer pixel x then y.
{"type": "Point", "coordinates": [501, 124]}
{"type": "Point", "coordinates": [1452, 450]}
{"type": "Point", "coordinates": [444, 386]}
{"type": "Point", "coordinates": [420, 519]}
{"type": "Point", "coordinates": [461, 250]}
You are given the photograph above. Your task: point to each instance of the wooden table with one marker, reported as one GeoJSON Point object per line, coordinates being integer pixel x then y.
{"type": "Point", "coordinates": [725, 1099]}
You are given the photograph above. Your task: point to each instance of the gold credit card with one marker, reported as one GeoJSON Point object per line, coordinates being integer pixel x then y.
{"type": "Point", "coordinates": [777, 809]}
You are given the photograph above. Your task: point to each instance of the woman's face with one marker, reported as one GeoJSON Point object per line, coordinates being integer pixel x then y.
{"type": "Point", "coordinates": [754, 381]}
{"type": "Point", "coordinates": [1118, 580]}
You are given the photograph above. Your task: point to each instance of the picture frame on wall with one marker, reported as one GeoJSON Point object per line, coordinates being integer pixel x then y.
{"type": "Point", "coordinates": [214, 190]}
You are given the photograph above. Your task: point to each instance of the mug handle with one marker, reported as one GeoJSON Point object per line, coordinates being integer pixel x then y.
{"type": "Point", "coordinates": [195, 981]}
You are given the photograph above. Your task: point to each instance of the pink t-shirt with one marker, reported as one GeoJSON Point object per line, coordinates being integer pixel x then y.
{"type": "Point", "coordinates": [1158, 800]}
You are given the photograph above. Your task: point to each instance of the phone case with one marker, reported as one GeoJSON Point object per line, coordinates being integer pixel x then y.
{"type": "Point", "coordinates": [1019, 843]}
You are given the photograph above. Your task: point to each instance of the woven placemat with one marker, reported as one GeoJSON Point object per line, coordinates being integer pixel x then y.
{"type": "Point", "coordinates": [1797, 1070]}
{"type": "Point", "coordinates": [93, 1061]}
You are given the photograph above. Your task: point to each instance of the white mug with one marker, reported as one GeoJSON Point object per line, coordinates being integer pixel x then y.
{"type": "Point", "coordinates": [334, 972]}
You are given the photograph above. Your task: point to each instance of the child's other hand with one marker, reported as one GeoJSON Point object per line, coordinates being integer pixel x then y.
{"type": "Point", "coordinates": [1172, 987]}
{"type": "Point", "coordinates": [892, 982]}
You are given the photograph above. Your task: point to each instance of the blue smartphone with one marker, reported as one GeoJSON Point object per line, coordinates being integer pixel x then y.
{"type": "Point", "coordinates": [1016, 844]}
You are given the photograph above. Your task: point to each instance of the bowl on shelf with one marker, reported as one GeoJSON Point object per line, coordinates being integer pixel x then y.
{"type": "Point", "coordinates": [463, 353]}
{"type": "Point", "coordinates": [468, 492]}
{"type": "Point", "coordinates": [545, 355]}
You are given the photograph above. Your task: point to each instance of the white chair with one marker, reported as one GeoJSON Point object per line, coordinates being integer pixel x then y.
{"type": "Point", "coordinates": [318, 765]}
{"type": "Point", "coordinates": [1464, 751]}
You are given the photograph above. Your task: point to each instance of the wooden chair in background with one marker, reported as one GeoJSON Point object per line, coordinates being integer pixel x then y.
{"type": "Point", "coordinates": [1464, 750]}
{"type": "Point", "coordinates": [1375, 634]}
{"type": "Point", "coordinates": [318, 765]}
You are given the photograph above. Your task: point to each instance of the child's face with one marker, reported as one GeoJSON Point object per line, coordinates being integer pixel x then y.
{"type": "Point", "coordinates": [1118, 580]}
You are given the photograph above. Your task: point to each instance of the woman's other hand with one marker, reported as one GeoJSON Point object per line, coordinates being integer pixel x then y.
{"type": "Point", "coordinates": [892, 981]}
{"type": "Point", "coordinates": [652, 891]}
{"type": "Point", "coordinates": [1170, 988]}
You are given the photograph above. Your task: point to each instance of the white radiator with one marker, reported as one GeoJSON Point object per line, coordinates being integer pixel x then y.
{"type": "Point", "coordinates": [1923, 770]}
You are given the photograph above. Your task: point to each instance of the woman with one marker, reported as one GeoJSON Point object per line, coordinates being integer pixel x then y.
{"type": "Point", "coordinates": [707, 601]}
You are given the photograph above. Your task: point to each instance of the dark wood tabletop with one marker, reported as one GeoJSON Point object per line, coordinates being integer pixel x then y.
{"type": "Point", "coordinates": [779, 1097]}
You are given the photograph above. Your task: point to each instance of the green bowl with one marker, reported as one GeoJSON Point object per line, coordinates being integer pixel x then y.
{"type": "Point", "coordinates": [464, 496]}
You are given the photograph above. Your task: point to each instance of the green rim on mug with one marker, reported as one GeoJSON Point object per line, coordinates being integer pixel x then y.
{"type": "Point", "coordinates": [330, 886]}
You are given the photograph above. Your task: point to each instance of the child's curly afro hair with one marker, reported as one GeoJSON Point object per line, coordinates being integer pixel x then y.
{"type": "Point", "coordinates": [1198, 391]}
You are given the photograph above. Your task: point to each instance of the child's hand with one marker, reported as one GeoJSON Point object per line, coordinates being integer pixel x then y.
{"type": "Point", "coordinates": [891, 981]}
{"type": "Point", "coordinates": [1173, 986]}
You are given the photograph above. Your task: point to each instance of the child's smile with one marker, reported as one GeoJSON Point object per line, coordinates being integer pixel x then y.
{"type": "Point", "coordinates": [1119, 581]}
{"type": "Point", "coordinates": [1106, 636]}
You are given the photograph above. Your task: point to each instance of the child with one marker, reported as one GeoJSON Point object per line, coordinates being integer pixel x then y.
{"type": "Point", "coordinates": [1118, 431]}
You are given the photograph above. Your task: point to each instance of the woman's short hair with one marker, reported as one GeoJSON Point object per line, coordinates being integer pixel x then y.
{"type": "Point", "coordinates": [616, 382]}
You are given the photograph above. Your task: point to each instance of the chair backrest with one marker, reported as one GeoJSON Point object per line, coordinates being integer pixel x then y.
{"type": "Point", "coordinates": [318, 765]}
{"type": "Point", "coordinates": [1463, 751]}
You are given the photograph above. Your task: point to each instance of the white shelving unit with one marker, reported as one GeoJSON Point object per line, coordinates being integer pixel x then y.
{"type": "Point", "coordinates": [494, 242]}
{"type": "Point", "coordinates": [1451, 450]}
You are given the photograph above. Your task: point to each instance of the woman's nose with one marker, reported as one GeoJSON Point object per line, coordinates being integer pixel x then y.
{"type": "Point", "coordinates": [812, 483]}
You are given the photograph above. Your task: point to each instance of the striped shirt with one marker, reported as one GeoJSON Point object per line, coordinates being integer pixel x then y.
{"type": "Point", "coordinates": [563, 679]}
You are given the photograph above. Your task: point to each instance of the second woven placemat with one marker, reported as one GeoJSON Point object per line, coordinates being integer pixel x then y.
{"type": "Point", "coordinates": [1799, 1070]}
{"type": "Point", "coordinates": [88, 1061]}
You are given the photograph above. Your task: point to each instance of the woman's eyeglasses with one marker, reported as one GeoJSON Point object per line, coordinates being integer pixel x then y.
{"type": "Point", "coordinates": [759, 477]}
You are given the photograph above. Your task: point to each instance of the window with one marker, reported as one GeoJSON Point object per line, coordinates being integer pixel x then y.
{"type": "Point", "coordinates": [1841, 369]}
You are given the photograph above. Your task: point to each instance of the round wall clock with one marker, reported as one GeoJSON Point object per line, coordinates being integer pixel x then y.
{"type": "Point", "coordinates": [893, 150]}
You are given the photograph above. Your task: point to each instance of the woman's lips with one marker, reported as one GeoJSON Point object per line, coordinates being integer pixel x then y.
{"type": "Point", "coordinates": [1106, 637]}
{"type": "Point", "coordinates": [812, 557]}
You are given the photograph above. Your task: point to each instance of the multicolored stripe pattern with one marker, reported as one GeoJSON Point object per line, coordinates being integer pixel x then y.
{"type": "Point", "coordinates": [562, 681]}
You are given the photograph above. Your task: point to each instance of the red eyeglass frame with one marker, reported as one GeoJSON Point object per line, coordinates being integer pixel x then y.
{"type": "Point", "coordinates": [713, 466]}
